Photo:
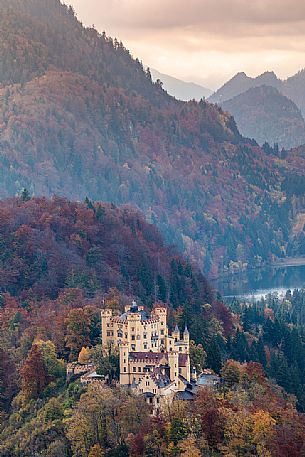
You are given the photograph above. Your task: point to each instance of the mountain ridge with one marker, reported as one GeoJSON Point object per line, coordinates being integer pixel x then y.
{"type": "Point", "coordinates": [266, 115]}
{"type": "Point", "coordinates": [292, 87]}
{"type": "Point", "coordinates": [180, 89]}
{"type": "Point", "coordinates": [83, 123]}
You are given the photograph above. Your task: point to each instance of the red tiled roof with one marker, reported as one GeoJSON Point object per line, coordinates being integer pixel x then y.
{"type": "Point", "coordinates": [147, 355]}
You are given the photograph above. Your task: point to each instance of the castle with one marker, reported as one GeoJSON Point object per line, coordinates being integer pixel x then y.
{"type": "Point", "coordinates": [153, 362]}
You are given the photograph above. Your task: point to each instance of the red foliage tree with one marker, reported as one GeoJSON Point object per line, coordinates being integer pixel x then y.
{"type": "Point", "coordinates": [34, 375]}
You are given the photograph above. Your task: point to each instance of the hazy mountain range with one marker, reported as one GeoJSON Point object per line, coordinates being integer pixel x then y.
{"type": "Point", "coordinates": [179, 89]}
{"type": "Point", "coordinates": [259, 105]}
{"type": "Point", "coordinates": [79, 117]}
{"type": "Point", "coordinates": [274, 113]}
{"type": "Point", "coordinates": [266, 115]}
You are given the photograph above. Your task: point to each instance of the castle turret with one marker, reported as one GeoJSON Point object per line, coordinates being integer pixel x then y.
{"type": "Point", "coordinates": [186, 335]}
{"type": "Point", "coordinates": [194, 374]}
{"type": "Point", "coordinates": [176, 334]}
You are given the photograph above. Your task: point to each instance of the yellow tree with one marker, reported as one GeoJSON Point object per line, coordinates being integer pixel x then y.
{"type": "Point", "coordinates": [96, 451]}
{"type": "Point", "coordinates": [263, 431]}
{"type": "Point", "coordinates": [188, 448]}
{"type": "Point", "coordinates": [84, 356]}
{"type": "Point", "coordinates": [238, 434]}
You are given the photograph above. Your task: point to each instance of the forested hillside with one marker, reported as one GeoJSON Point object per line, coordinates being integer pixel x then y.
{"type": "Point", "coordinates": [61, 262]}
{"type": "Point", "coordinates": [47, 245]}
{"type": "Point", "coordinates": [266, 115]}
{"type": "Point", "coordinates": [79, 117]}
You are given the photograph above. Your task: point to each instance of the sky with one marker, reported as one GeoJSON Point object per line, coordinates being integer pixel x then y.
{"type": "Point", "coordinates": [205, 41]}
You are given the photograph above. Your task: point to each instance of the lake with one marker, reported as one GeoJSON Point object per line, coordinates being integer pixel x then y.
{"type": "Point", "coordinates": [260, 282]}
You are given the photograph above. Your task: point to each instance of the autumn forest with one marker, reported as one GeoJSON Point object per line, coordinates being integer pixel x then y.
{"type": "Point", "coordinates": [114, 191]}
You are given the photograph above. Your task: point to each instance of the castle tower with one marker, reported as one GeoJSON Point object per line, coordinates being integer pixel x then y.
{"type": "Point", "coordinates": [124, 364]}
{"type": "Point", "coordinates": [173, 361]}
{"type": "Point", "coordinates": [106, 315]}
{"type": "Point", "coordinates": [194, 374]}
{"type": "Point", "coordinates": [176, 334]}
{"type": "Point", "coordinates": [160, 312]}
{"type": "Point", "coordinates": [186, 336]}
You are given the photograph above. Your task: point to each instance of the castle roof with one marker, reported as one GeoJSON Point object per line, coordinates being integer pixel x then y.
{"type": "Point", "coordinates": [153, 356]}
{"type": "Point", "coordinates": [160, 377]}
{"type": "Point", "coordinates": [156, 357]}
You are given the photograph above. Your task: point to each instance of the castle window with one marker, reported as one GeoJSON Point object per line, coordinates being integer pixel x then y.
{"type": "Point", "coordinates": [124, 369]}
{"type": "Point", "coordinates": [139, 369]}
{"type": "Point", "coordinates": [144, 336]}
{"type": "Point", "coordinates": [124, 360]}
{"type": "Point", "coordinates": [133, 337]}
{"type": "Point", "coordinates": [180, 348]}
{"type": "Point", "coordinates": [132, 329]}
{"type": "Point", "coordinates": [134, 369]}
{"type": "Point", "coordinates": [162, 332]}
{"type": "Point", "coordinates": [133, 347]}
{"type": "Point", "coordinates": [145, 346]}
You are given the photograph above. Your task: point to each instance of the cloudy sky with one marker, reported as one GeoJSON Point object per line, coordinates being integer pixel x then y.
{"type": "Point", "coordinates": [205, 41]}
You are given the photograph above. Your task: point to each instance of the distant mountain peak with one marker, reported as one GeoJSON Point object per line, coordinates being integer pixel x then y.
{"type": "Point", "coordinates": [182, 90]}
{"type": "Point", "coordinates": [241, 82]}
{"type": "Point", "coordinates": [266, 115]}
{"type": "Point", "coordinates": [268, 78]}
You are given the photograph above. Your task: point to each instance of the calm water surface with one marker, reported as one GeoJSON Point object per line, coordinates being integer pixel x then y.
{"type": "Point", "coordinates": [260, 282]}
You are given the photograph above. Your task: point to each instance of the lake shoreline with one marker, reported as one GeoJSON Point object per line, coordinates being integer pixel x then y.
{"type": "Point", "coordinates": [280, 263]}
{"type": "Point", "coordinates": [278, 276]}
{"type": "Point", "coordinates": [289, 262]}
